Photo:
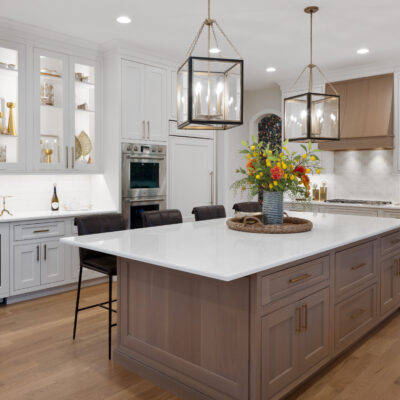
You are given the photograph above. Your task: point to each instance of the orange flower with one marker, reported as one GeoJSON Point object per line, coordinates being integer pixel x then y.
{"type": "Point", "coordinates": [277, 173]}
{"type": "Point", "coordinates": [306, 180]}
{"type": "Point", "coordinates": [250, 165]}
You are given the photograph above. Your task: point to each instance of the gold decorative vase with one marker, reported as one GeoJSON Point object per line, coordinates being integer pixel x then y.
{"type": "Point", "coordinates": [11, 121]}
{"type": "Point", "coordinates": [48, 153]}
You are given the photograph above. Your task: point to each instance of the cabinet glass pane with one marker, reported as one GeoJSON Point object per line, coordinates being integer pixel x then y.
{"type": "Point", "coordinates": [8, 106]}
{"type": "Point", "coordinates": [85, 109]}
{"type": "Point", "coordinates": [51, 109]}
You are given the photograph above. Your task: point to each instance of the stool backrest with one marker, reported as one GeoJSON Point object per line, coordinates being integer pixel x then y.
{"type": "Point", "coordinates": [163, 217]}
{"type": "Point", "coordinates": [248, 206]}
{"type": "Point", "coordinates": [203, 213]}
{"type": "Point", "coordinates": [97, 223]}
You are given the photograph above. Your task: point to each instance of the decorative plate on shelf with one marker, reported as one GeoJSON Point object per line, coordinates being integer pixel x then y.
{"type": "Point", "coordinates": [78, 148]}
{"type": "Point", "coordinates": [86, 144]}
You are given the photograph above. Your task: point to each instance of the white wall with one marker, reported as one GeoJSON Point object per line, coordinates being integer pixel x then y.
{"type": "Point", "coordinates": [34, 192]}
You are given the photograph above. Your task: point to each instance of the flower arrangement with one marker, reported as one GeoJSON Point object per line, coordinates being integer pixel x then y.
{"type": "Point", "coordinates": [277, 170]}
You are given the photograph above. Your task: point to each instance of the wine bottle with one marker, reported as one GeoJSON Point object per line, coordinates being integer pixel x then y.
{"type": "Point", "coordinates": [54, 201]}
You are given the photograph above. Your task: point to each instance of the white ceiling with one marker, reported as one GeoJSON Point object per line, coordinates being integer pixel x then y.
{"type": "Point", "coordinates": [266, 32]}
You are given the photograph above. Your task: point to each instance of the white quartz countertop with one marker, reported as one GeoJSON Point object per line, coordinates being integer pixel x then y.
{"type": "Point", "coordinates": [211, 249]}
{"type": "Point", "coordinates": [32, 215]}
{"type": "Point", "coordinates": [393, 206]}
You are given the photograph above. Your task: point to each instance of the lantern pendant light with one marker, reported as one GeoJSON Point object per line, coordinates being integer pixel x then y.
{"type": "Point", "coordinates": [312, 116]}
{"type": "Point", "coordinates": [210, 87]}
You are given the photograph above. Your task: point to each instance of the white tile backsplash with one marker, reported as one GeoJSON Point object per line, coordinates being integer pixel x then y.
{"type": "Point", "coordinates": [34, 192]}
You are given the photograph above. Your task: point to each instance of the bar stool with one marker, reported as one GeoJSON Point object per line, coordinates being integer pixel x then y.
{"type": "Point", "coordinates": [99, 262]}
{"type": "Point", "coordinates": [163, 217]}
{"type": "Point", "coordinates": [247, 206]}
{"type": "Point", "coordinates": [203, 213]}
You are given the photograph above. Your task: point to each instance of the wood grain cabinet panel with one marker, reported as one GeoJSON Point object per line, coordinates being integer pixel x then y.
{"type": "Point", "coordinates": [284, 283]}
{"type": "Point", "coordinates": [353, 267]}
{"type": "Point", "coordinates": [294, 339]}
{"type": "Point", "coordinates": [354, 317]}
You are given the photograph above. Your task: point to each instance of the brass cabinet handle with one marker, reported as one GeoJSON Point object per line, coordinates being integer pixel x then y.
{"type": "Point", "coordinates": [37, 253]}
{"type": "Point", "coordinates": [66, 156]}
{"type": "Point", "coordinates": [73, 156]}
{"type": "Point", "coordinates": [143, 130]}
{"type": "Point", "coordinates": [358, 266]}
{"type": "Point", "coordinates": [395, 241]}
{"type": "Point", "coordinates": [357, 313]}
{"type": "Point", "coordinates": [300, 278]}
{"type": "Point", "coordinates": [148, 129]}
{"type": "Point", "coordinates": [298, 309]}
{"type": "Point", "coordinates": [45, 251]}
{"type": "Point", "coordinates": [41, 230]}
{"type": "Point", "coordinates": [305, 307]}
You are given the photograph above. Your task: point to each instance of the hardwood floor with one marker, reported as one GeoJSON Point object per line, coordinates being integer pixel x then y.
{"type": "Point", "coordinates": [40, 361]}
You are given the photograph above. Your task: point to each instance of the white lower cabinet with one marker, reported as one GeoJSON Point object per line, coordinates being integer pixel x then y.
{"type": "Point", "coordinates": [294, 339]}
{"type": "Point", "coordinates": [4, 260]}
{"type": "Point", "coordinates": [52, 263]}
{"type": "Point", "coordinates": [26, 266]}
{"type": "Point", "coordinates": [191, 174]}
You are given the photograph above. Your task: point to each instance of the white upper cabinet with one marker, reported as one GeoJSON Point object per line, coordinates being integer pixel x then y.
{"type": "Point", "coordinates": [144, 101]}
{"type": "Point", "coordinates": [12, 106]}
{"type": "Point", "coordinates": [173, 93]}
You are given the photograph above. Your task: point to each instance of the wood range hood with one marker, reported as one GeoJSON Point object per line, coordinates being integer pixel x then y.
{"type": "Point", "coordinates": [366, 114]}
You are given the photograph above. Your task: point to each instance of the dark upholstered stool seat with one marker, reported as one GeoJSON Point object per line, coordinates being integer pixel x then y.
{"type": "Point", "coordinates": [248, 206]}
{"type": "Point", "coordinates": [163, 217]}
{"type": "Point", "coordinates": [203, 213]}
{"type": "Point", "coordinates": [105, 264]}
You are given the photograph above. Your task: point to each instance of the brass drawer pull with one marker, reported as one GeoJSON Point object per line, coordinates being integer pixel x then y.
{"type": "Point", "coordinates": [41, 231]}
{"type": "Point", "coordinates": [300, 278]}
{"type": "Point", "coordinates": [298, 309]}
{"type": "Point", "coordinates": [395, 241]}
{"type": "Point", "coordinates": [357, 314]}
{"type": "Point", "coordinates": [358, 266]}
{"type": "Point", "coordinates": [305, 307]}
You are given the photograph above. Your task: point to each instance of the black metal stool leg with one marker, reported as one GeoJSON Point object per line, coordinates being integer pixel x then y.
{"type": "Point", "coordinates": [109, 314]}
{"type": "Point", "coordinates": [77, 301]}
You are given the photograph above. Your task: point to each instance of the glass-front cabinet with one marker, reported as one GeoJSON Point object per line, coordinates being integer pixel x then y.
{"type": "Point", "coordinates": [12, 105]}
{"type": "Point", "coordinates": [65, 119]}
{"type": "Point", "coordinates": [84, 146]}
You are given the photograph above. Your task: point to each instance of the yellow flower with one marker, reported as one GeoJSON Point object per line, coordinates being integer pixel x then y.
{"type": "Point", "coordinates": [243, 187]}
{"type": "Point", "coordinates": [254, 154]}
{"type": "Point", "coordinates": [284, 166]}
{"type": "Point", "coordinates": [271, 185]}
{"type": "Point", "coordinates": [261, 174]}
{"type": "Point", "coordinates": [284, 148]}
{"type": "Point", "coordinates": [253, 147]}
{"type": "Point", "coordinates": [275, 183]}
{"type": "Point", "coordinates": [313, 158]}
{"type": "Point", "coordinates": [291, 167]}
{"type": "Point", "coordinates": [285, 176]}
{"type": "Point", "coordinates": [268, 163]}
{"type": "Point", "coordinates": [265, 155]}
{"type": "Point", "coordinates": [304, 156]}
{"type": "Point", "coordinates": [281, 155]}
{"type": "Point", "coordinates": [308, 170]}
{"type": "Point", "coordinates": [257, 176]}
{"type": "Point", "coordinates": [270, 151]}
{"type": "Point", "coordinates": [318, 171]}
{"type": "Point", "coordinates": [278, 164]}
{"type": "Point", "coordinates": [248, 156]}
{"type": "Point", "coordinates": [291, 177]}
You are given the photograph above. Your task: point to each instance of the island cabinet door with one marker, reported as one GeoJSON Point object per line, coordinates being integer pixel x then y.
{"type": "Point", "coordinates": [280, 359]}
{"type": "Point", "coordinates": [26, 266]}
{"type": "Point", "coordinates": [52, 264]}
{"type": "Point", "coordinates": [390, 286]}
{"type": "Point", "coordinates": [315, 329]}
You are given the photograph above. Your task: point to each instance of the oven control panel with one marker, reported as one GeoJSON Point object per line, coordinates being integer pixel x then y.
{"type": "Point", "coordinates": [143, 149]}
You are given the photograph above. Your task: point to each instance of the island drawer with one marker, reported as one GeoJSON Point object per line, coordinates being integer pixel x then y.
{"type": "Point", "coordinates": [354, 317]}
{"type": "Point", "coordinates": [38, 231]}
{"type": "Point", "coordinates": [284, 283]}
{"type": "Point", "coordinates": [353, 267]}
{"type": "Point", "coordinates": [390, 243]}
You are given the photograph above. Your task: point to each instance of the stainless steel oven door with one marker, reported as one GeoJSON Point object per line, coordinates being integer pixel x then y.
{"type": "Point", "coordinates": [143, 176]}
{"type": "Point", "coordinates": [133, 209]}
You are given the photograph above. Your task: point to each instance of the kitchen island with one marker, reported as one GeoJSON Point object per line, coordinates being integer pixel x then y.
{"type": "Point", "coordinates": [211, 313]}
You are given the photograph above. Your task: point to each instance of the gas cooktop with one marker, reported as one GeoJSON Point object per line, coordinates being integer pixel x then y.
{"type": "Point", "coordinates": [367, 202]}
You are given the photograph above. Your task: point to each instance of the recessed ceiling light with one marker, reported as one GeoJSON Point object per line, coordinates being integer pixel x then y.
{"type": "Point", "coordinates": [123, 19]}
{"type": "Point", "coordinates": [364, 50]}
{"type": "Point", "coordinates": [270, 69]}
{"type": "Point", "coordinates": [215, 50]}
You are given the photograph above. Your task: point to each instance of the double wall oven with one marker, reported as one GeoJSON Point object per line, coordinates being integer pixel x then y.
{"type": "Point", "coordinates": [143, 180]}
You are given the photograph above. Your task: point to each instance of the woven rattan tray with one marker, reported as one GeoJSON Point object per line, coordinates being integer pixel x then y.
{"type": "Point", "coordinates": [254, 224]}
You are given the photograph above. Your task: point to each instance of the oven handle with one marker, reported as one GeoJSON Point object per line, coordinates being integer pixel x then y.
{"type": "Point", "coordinates": [144, 200]}
{"type": "Point", "coordinates": [144, 157]}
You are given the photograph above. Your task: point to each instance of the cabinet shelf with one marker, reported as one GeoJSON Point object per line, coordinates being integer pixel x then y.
{"type": "Point", "coordinates": [4, 69]}
{"type": "Point", "coordinates": [4, 135]}
{"type": "Point", "coordinates": [84, 84]}
{"type": "Point", "coordinates": [86, 111]}
{"type": "Point", "coordinates": [48, 106]}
